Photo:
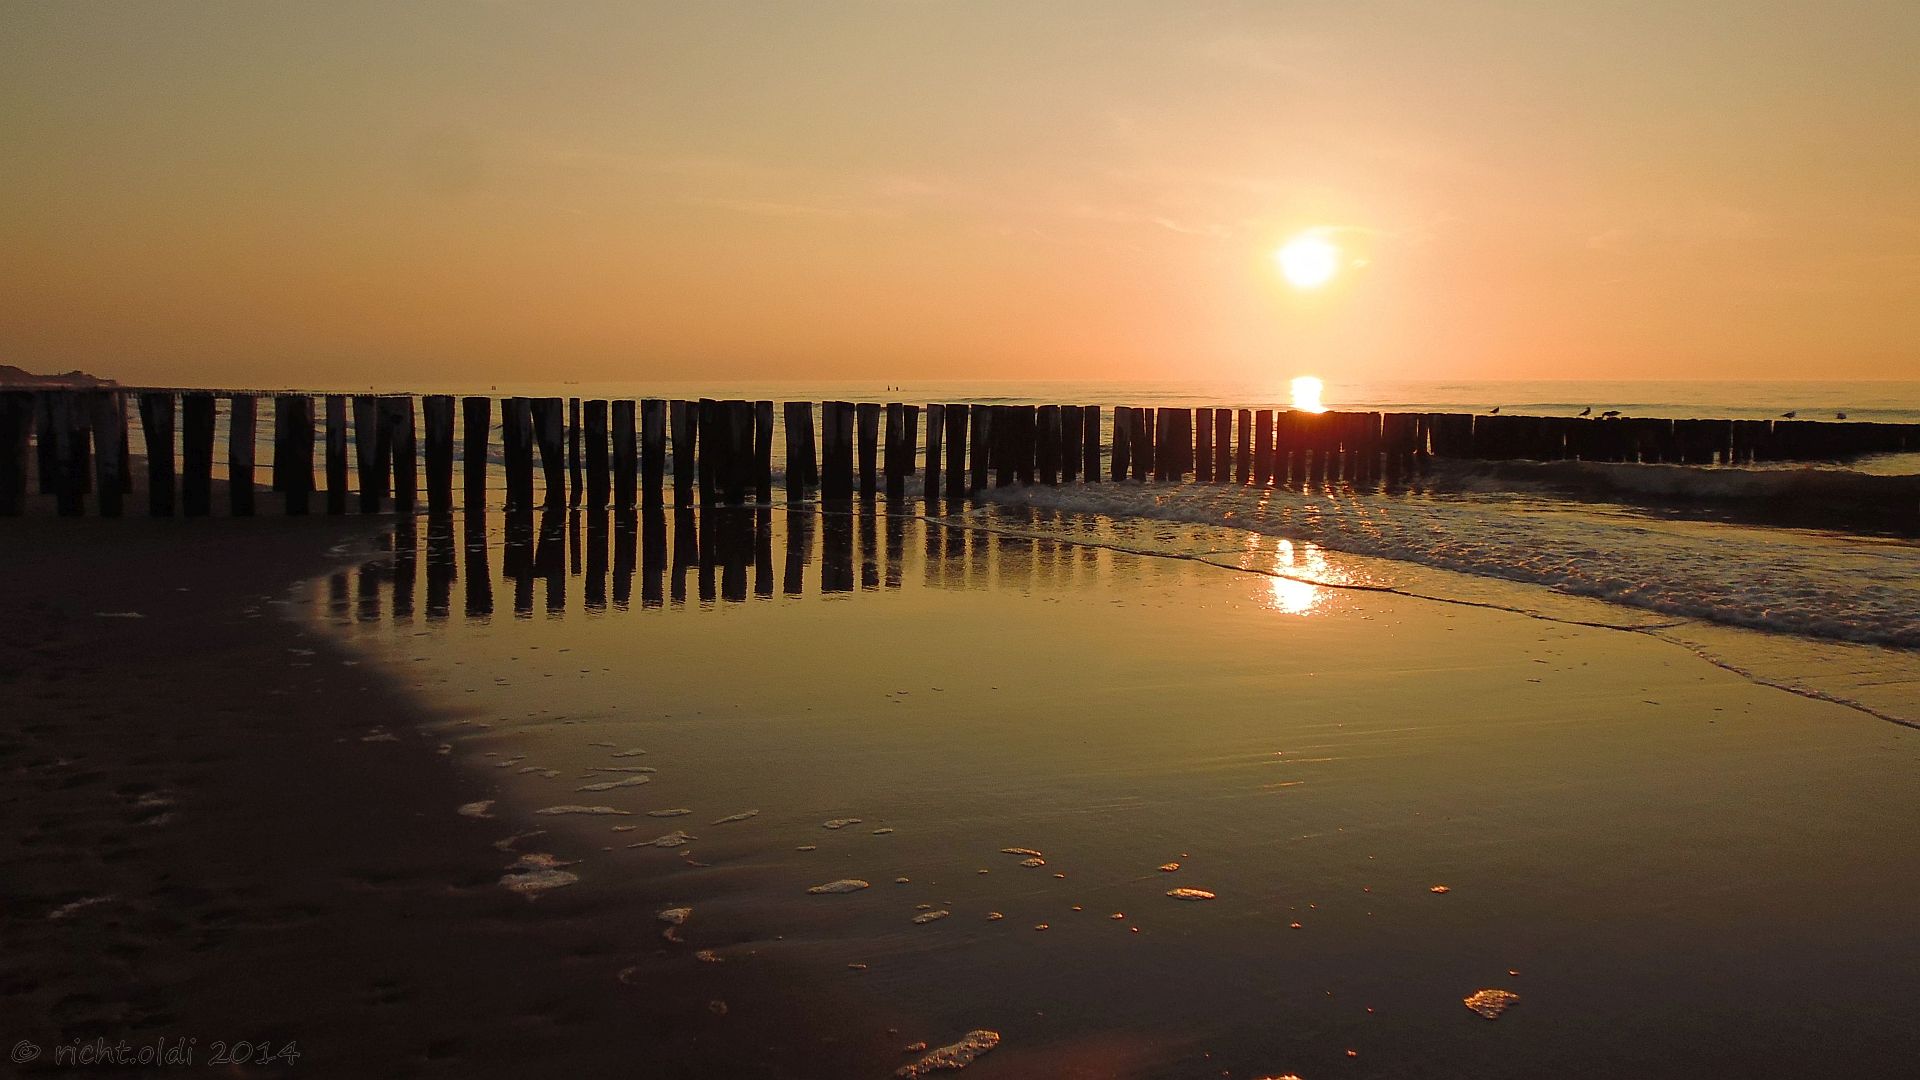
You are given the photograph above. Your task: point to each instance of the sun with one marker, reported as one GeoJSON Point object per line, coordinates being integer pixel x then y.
{"type": "Point", "coordinates": [1306, 394]}
{"type": "Point", "coordinates": [1308, 261]}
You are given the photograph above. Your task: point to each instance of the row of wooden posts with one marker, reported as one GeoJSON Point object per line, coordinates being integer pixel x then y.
{"type": "Point", "coordinates": [723, 448]}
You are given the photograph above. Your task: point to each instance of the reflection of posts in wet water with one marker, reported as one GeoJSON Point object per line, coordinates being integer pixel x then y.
{"type": "Point", "coordinates": [477, 416]}
{"type": "Point", "coordinates": [763, 552]}
{"type": "Point", "coordinates": [549, 560]}
{"type": "Point", "coordinates": [339, 596]}
{"type": "Point", "coordinates": [573, 543]}
{"type": "Point", "coordinates": [869, 537]}
{"type": "Point", "coordinates": [979, 547]}
{"type": "Point", "coordinates": [406, 566]}
{"type": "Point", "coordinates": [933, 562]}
{"type": "Point", "coordinates": [626, 530]}
{"type": "Point", "coordinates": [733, 547]}
{"type": "Point", "coordinates": [800, 525]}
{"type": "Point", "coordinates": [836, 556]}
{"type": "Point", "coordinates": [653, 556]}
{"type": "Point", "coordinates": [595, 587]}
{"type": "Point", "coordinates": [686, 550]}
{"type": "Point", "coordinates": [440, 561]}
{"type": "Point", "coordinates": [896, 549]}
{"type": "Point", "coordinates": [479, 579]}
{"type": "Point", "coordinates": [516, 560]}
{"type": "Point", "coordinates": [367, 589]}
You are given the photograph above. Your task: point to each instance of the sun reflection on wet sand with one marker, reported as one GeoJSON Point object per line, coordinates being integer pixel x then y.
{"type": "Point", "coordinates": [1304, 567]}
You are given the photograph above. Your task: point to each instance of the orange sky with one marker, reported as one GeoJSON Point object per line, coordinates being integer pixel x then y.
{"type": "Point", "coordinates": [334, 193]}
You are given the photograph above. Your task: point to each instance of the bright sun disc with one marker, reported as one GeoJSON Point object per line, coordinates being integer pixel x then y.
{"type": "Point", "coordinates": [1306, 394]}
{"type": "Point", "coordinates": [1308, 262]}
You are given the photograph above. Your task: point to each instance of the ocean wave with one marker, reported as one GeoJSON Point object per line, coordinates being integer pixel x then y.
{"type": "Point", "coordinates": [1817, 585]}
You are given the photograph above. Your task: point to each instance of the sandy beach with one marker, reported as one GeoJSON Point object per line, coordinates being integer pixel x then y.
{"type": "Point", "coordinates": [318, 817]}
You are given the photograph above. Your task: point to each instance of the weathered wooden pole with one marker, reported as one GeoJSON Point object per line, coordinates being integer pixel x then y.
{"type": "Point", "coordinates": [366, 443]}
{"type": "Point", "coordinates": [1002, 450]}
{"type": "Point", "coordinates": [476, 418]}
{"type": "Point", "coordinates": [1122, 441]}
{"type": "Point", "coordinates": [979, 446]}
{"type": "Point", "coordinates": [242, 423]}
{"type": "Point", "coordinates": [683, 428]}
{"type": "Point", "coordinates": [867, 419]}
{"type": "Point", "coordinates": [196, 454]}
{"type": "Point", "coordinates": [299, 444]}
{"type": "Point", "coordinates": [1047, 454]}
{"type": "Point", "coordinates": [436, 412]}
{"type": "Point", "coordinates": [573, 452]}
{"type": "Point", "coordinates": [69, 441]}
{"type": "Point", "coordinates": [799, 438]}
{"type": "Point", "coordinates": [1090, 442]}
{"type": "Point", "coordinates": [1027, 441]}
{"type": "Point", "coordinates": [740, 427]}
{"type": "Point", "coordinates": [710, 447]}
{"type": "Point", "coordinates": [16, 430]}
{"type": "Point", "coordinates": [1203, 445]}
{"type": "Point", "coordinates": [399, 426]}
{"type": "Point", "coordinates": [911, 444]}
{"type": "Point", "coordinates": [836, 451]}
{"type": "Point", "coordinates": [336, 453]}
{"type": "Point", "coordinates": [954, 481]}
{"type": "Point", "coordinates": [653, 449]}
{"type": "Point", "coordinates": [1070, 443]}
{"type": "Point", "coordinates": [1222, 445]}
{"type": "Point", "coordinates": [626, 454]}
{"type": "Point", "coordinates": [593, 425]}
{"type": "Point", "coordinates": [516, 442]}
{"type": "Point", "coordinates": [763, 453]}
{"type": "Point", "coordinates": [1263, 447]}
{"type": "Point", "coordinates": [46, 443]}
{"type": "Point", "coordinates": [156, 424]}
{"type": "Point", "coordinates": [936, 435]}
{"type": "Point", "coordinates": [1144, 420]}
{"type": "Point", "coordinates": [892, 459]}
{"type": "Point", "coordinates": [549, 431]}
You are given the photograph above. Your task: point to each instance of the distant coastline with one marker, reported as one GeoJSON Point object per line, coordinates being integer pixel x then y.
{"type": "Point", "coordinates": [14, 378]}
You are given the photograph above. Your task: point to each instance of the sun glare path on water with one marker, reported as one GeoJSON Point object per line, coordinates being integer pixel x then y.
{"type": "Point", "coordinates": [1306, 394]}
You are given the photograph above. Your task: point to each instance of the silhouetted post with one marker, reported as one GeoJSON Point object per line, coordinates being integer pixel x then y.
{"type": "Point", "coordinates": [573, 452]}
{"type": "Point", "coordinates": [549, 431]}
{"type": "Point", "coordinates": [1203, 445]}
{"type": "Point", "coordinates": [1243, 446]}
{"type": "Point", "coordinates": [1122, 441]}
{"type": "Point", "coordinates": [1263, 447]}
{"type": "Point", "coordinates": [1047, 421]}
{"type": "Point", "coordinates": [739, 474]}
{"type": "Point", "coordinates": [763, 453]}
{"type": "Point", "coordinates": [16, 430]}
{"type": "Point", "coordinates": [936, 433]}
{"type": "Point", "coordinates": [46, 443]}
{"type": "Point", "coordinates": [298, 409]}
{"type": "Point", "coordinates": [397, 413]}
{"type": "Point", "coordinates": [1004, 436]}
{"type": "Point", "coordinates": [336, 453]}
{"type": "Point", "coordinates": [809, 461]}
{"type": "Point", "coordinates": [626, 455]}
{"type": "Point", "coordinates": [156, 424]}
{"type": "Point", "coordinates": [196, 454]}
{"type": "Point", "coordinates": [1090, 442]}
{"type": "Point", "coordinates": [799, 426]}
{"type": "Point", "coordinates": [891, 460]}
{"type": "Point", "coordinates": [836, 450]}
{"type": "Point", "coordinates": [1070, 443]}
{"type": "Point", "coordinates": [710, 448]}
{"type": "Point", "coordinates": [1222, 445]}
{"type": "Point", "coordinates": [1142, 446]}
{"type": "Point", "coordinates": [476, 431]}
{"type": "Point", "coordinates": [955, 418]}
{"type": "Point", "coordinates": [979, 443]}
{"type": "Point", "coordinates": [911, 446]}
{"type": "Point", "coordinates": [1026, 442]}
{"type": "Point", "coordinates": [867, 423]}
{"type": "Point", "coordinates": [683, 421]}
{"type": "Point", "coordinates": [516, 443]}
{"type": "Point", "coordinates": [366, 442]}
{"type": "Point", "coordinates": [594, 424]}
{"type": "Point", "coordinates": [653, 449]}
{"type": "Point", "coordinates": [437, 412]}
{"type": "Point", "coordinates": [242, 420]}
{"type": "Point", "coordinates": [104, 412]}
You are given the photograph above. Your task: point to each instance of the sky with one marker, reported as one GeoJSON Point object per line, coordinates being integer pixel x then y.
{"type": "Point", "coordinates": [260, 194]}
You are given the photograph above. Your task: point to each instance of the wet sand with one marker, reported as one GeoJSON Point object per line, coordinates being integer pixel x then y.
{"type": "Point", "coordinates": [1690, 874]}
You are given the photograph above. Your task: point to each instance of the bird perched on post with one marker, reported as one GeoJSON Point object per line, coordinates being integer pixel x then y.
{"type": "Point", "coordinates": [1588, 411]}
{"type": "Point", "coordinates": [1610, 414]}
{"type": "Point", "coordinates": [1789, 414]}
{"type": "Point", "coordinates": [1493, 411]}
{"type": "Point", "coordinates": [1839, 416]}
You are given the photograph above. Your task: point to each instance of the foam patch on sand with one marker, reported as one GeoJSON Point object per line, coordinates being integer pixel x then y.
{"type": "Point", "coordinates": [537, 873]}
{"type": "Point", "coordinates": [1490, 1003]}
{"type": "Point", "coordinates": [957, 1055]}
{"type": "Point", "coordinates": [609, 785]}
{"type": "Point", "coordinates": [741, 816]}
{"type": "Point", "coordinates": [572, 809]}
{"type": "Point", "coordinates": [844, 885]}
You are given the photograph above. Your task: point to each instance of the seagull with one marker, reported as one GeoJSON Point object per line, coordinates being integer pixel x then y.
{"type": "Point", "coordinates": [1789, 414]}
{"type": "Point", "coordinates": [1839, 416]}
{"type": "Point", "coordinates": [1495, 411]}
{"type": "Point", "coordinates": [1610, 414]}
{"type": "Point", "coordinates": [1588, 411]}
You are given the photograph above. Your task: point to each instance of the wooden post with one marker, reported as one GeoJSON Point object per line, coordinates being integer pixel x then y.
{"type": "Point", "coordinates": [712, 448]}
{"type": "Point", "coordinates": [892, 463]}
{"type": "Point", "coordinates": [653, 449]}
{"type": "Point", "coordinates": [1027, 444]}
{"type": "Point", "coordinates": [1070, 443]}
{"type": "Point", "coordinates": [437, 412]}
{"type": "Point", "coordinates": [799, 427]}
{"type": "Point", "coordinates": [1090, 442]}
{"type": "Point", "coordinates": [366, 442]}
{"type": "Point", "coordinates": [626, 454]}
{"type": "Point", "coordinates": [763, 452]}
{"type": "Point", "coordinates": [1222, 445]}
{"type": "Point", "coordinates": [836, 448]}
{"type": "Point", "coordinates": [593, 422]}
{"type": "Point", "coordinates": [156, 424]}
{"type": "Point", "coordinates": [1122, 441]}
{"type": "Point", "coordinates": [516, 441]}
{"type": "Point", "coordinates": [809, 461]}
{"type": "Point", "coordinates": [867, 424]}
{"type": "Point", "coordinates": [1142, 447]}
{"type": "Point", "coordinates": [69, 442]}
{"type": "Point", "coordinates": [242, 421]}
{"type": "Point", "coordinates": [685, 423]}
{"type": "Point", "coordinates": [298, 409]}
{"type": "Point", "coordinates": [1243, 446]}
{"type": "Point", "coordinates": [16, 430]}
{"type": "Point", "coordinates": [196, 454]}
{"type": "Point", "coordinates": [1047, 429]}
{"type": "Point", "coordinates": [1162, 443]}
{"type": "Point", "coordinates": [46, 443]}
{"type": "Point", "coordinates": [336, 453]}
{"type": "Point", "coordinates": [978, 442]}
{"type": "Point", "coordinates": [105, 413]}
{"type": "Point", "coordinates": [399, 426]}
{"type": "Point", "coordinates": [1203, 445]}
{"type": "Point", "coordinates": [573, 452]}
{"type": "Point", "coordinates": [936, 432]}
{"type": "Point", "coordinates": [739, 467]}
{"type": "Point", "coordinates": [549, 431]}
{"type": "Point", "coordinates": [954, 483]}
{"type": "Point", "coordinates": [1263, 447]}
{"type": "Point", "coordinates": [1004, 436]}
{"type": "Point", "coordinates": [476, 417]}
